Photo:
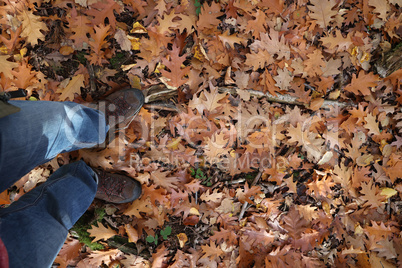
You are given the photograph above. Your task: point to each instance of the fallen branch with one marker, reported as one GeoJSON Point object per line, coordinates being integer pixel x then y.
{"type": "Point", "coordinates": [285, 99]}
{"type": "Point", "coordinates": [390, 62]}
{"type": "Point", "coordinates": [160, 92]}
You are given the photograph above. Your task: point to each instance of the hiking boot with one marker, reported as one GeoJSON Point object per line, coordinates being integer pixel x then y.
{"type": "Point", "coordinates": [116, 188]}
{"type": "Point", "coordinates": [121, 107]}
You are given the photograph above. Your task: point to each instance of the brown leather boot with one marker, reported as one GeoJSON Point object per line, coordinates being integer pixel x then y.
{"type": "Point", "coordinates": [116, 188]}
{"type": "Point", "coordinates": [121, 107]}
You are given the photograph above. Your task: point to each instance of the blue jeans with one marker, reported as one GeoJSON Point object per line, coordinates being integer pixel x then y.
{"type": "Point", "coordinates": [35, 227]}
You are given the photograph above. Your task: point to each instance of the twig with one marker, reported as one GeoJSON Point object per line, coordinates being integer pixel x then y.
{"type": "Point", "coordinates": [159, 92]}
{"type": "Point", "coordinates": [285, 99]}
{"type": "Point", "coordinates": [91, 77]}
{"type": "Point", "coordinates": [162, 106]}
{"type": "Point", "coordinates": [244, 208]}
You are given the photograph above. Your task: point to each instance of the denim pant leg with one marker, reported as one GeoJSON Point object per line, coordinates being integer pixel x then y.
{"type": "Point", "coordinates": [42, 130]}
{"type": "Point", "coordinates": [35, 227]}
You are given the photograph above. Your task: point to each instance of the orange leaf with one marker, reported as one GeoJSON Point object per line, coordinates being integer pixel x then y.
{"type": "Point", "coordinates": [101, 232]}
{"type": "Point", "coordinates": [73, 87]}
{"type": "Point", "coordinates": [132, 233]}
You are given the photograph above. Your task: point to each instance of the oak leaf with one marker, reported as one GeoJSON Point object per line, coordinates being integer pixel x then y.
{"type": "Point", "coordinates": [244, 194]}
{"type": "Point", "coordinates": [69, 251]}
{"type": "Point", "coordinates": [167, 22]}
{"type": "Point", "coordinates": [155, 195]}
{"type": "Point", "coordinates": [96, 258]}
{"type": "Point", "coordinates": [273, 6]}
{"type": "Point", "coordinates": [73, 87]}
{"type": "Point", "coordinates": [104, 9]}
{"type": "Point", "coordinates": [258, 60]}
{"type": "Point", "coordinates": [321, 10]}
{"type": "Point", "coordinates": [258, 25]}
{"type": "Point", "coordinates": [101, 232]}
{"type": "Point", "coordinates": [385, 249]}
{"type": "Point", "coordinates": [32, 27]}
{"type": "Point", "coordinates": [176, 74]}
{"type": "Point", "coordinates": [380, 231]}
{"type": "Point", "coordinates": [159, 257]}
{"type": "Point", "coordinates": [161, 178]}
{"type": "Point", "coordinates": [24, 75]}
{"type": "Point", "coordinates": [214, 197]}
{"type": "Point", "coordinates": [261, 237]}
{"type": "Point", "coordinates": [371, 194]}
{"type": "Point", "coordinates": [231, 39]}
{"type": "Point", "coordinates": [97, 56]}
{"type": "Point", "coordinates": [211, 251]}
{"type": "Point", "coordinates": [274, 44]}
{"type": "Point", "coordinates": [314, 64]}
{"type": "Point", "coordinates": [139, 206]}
{"type": "Point", "coordinates": [7, 66]}
{"type": "Point", "coordinates": [80, 26]}
{"type": "Point", "coordinates": [209, 16]}
{"type": "Point", "coordinates": [363, 83]}
{"type": "Point", "coordinates": [331, 41]}
{"type": "Point", "coordinates": [283, 79]}
{"type": "Point", "coordinates": [13, 40]}
{"type": "Point", "coordinates": [294, 223]}
{"type": "Point", "coordinates": [381, 7]}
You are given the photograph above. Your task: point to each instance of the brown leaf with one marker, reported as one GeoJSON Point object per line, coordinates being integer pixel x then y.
{"type": "Point", "coordinates": [362, 84]}
{"type": "Point", "coordinates": [176, 73]}
{"type": "Point", "coordinates": [211, 251]}
{"type": "Point", "coordinates": [68, 252]}
{"type": "Point", "coordinates": [161, 178]}
{"type": "Point", "coordinates": [322, 12]}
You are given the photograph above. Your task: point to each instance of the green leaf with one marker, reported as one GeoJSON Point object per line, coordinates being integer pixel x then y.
{"type": "Point", "coordinates": [167, 231]}
{"type": "Point", "coordinates": [156, 239]}
{"type": "Point", "coordinates": [150, 239]}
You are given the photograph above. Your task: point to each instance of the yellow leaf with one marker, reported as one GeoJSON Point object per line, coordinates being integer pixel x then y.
{"type": "Point", "coordinates": [158, 68]}
{"type": "Point", "coordinates": [182, 239]}
{"type": "Point", "coordinates": [194, 211]}
{"type": "Point", "coordinates": [138, 28]}
{"type": "Point", "coordinates": [3, 50]}
{"type": "Point", "coordinates": [388, 192]}
{"type": "Point", "coordinates": [101, 232]}
{"type": "Point", "coordinates": [23, 51]}
{"type": "Point", "coordinates": [135, 42]}
{"type": "Point", "coordinates": [174, 144]}
{"type": "Point", "coordinates": [74, 86]}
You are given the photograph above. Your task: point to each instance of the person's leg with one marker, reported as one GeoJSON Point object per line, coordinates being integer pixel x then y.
{"type": "Point", "coordinates": [42, 130]}
{"type": "Point", "coordinates": [35, 227]}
